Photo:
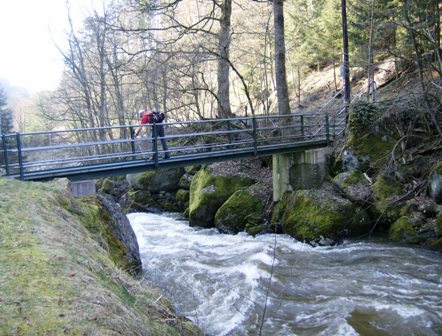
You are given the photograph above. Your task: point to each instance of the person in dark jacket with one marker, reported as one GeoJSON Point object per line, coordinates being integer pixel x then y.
{"type": "Point", "coordinates": [155, 119]}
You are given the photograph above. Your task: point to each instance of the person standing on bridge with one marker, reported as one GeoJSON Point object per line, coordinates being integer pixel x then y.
{"type": "Point", "coordinates": [155, 119]}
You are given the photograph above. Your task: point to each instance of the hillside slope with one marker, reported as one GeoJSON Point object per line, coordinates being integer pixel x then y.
{"type": "Point", "coordinates": [56, 280]}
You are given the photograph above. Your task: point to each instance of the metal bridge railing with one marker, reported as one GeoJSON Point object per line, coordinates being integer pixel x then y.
{"type": "Point", "coordinates": [25, 154]}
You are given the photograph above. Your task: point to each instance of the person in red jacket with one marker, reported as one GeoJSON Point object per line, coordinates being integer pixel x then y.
{"type": "Point", "coordinates": [155, 119]}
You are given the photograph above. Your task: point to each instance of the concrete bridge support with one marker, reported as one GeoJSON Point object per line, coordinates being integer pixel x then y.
{"type": "Point", "coordinates": [300, 170]}
{"type": "Point", "coordinates": [82, 188]}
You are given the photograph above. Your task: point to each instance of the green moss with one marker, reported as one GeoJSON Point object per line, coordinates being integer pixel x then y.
{"type": "Point", "coordinates": [56, 280]}
{"type": "Point", "coordinates": [146, 178]}
{"type": "Point", "coordinates": [208, 192]}
{"type": "Point", "coordinates": [402, 231]}
{"type": "Point", "coordinates": [354, 178]}
{"type": "Point", "coordinates": [307, 215]}
{"type": "Point", "coordinates": [385, 189]}
{"type": "Point", "coordinates": [254, 224]}
{"type": "Point", "coordinates": [373, 146]}
{"type": "Point", "coordinates": [97, 220]}
{"type": "Point", "coordinates": [438, 168]}
{"type": "Point", "coordinates": [182, 197]}
{"type": "Point", "coordinates": [231, 216]}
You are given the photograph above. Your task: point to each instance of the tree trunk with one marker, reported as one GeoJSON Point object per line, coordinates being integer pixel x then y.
{"type": "Point", "coordinates": [370, 72]}
{"type": "Point", "coordinates": [346, 55]}
{"type": "Point", "coordinates": [280, 69]}
{"type": "Point", "coordinates": [223, 62]}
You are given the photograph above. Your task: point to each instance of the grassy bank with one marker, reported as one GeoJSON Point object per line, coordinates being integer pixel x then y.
{"type": "Point", "coordinates": [56, 280]}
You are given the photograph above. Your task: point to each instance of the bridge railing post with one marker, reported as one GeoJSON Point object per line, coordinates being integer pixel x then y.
{"type": "Point", "coordinates": [155, 144]}
{"type": "Point", "coordinates": [19, 155]}
{"type": "Point", "coordinates": [327, 128]}
{"type": "Point", "coordinates": [132, 142]}
{"type": "Point", "coordinates": [5, 153]}
{"type": "Point", "coordinates": [302, 125]}
{"type": "Point", "coordinates": [255, 136]}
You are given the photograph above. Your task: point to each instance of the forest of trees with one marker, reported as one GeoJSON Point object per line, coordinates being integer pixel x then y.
{"type": "Point", "coordinates": [196, 59]}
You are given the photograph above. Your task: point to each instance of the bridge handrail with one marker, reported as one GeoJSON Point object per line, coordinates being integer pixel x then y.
{"type": "Point", "coordinates": [208, 138]}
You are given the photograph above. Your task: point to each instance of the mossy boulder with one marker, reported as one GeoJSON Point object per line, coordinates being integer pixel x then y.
{"type": "Point", "coordinates": [155, 181]}
{"type": "Point", "coordinates": [162, 180]}
{"type": "Point", "coordinates": [354, 185]}
{"type": "Point", "coordinates": [255, 224]}
{"type": "Point", "coordinates": [111, 229]}
{"type": "Point", "coordinates": [370, 140]}
{"type": "Point", "coordinates": [386, 194]}
{"type": "Point", "coordinates": [435, 184]}
{"type": "Point", "coordinates": [208, 192]}
{"type": "Point", "coordinates": [402, 231]}
{"type": "Point", "coordinates": [115, 186]}
{"type": "Point", "coordinates": [321, 214]}
{"type": "Point", "coordinates": [232, 216]}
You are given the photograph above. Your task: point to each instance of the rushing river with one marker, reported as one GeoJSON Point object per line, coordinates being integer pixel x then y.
{"type": "Point", "coordinates": [275, 285]}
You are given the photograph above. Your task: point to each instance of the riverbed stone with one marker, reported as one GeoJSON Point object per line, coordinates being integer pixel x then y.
{"type": "Point", "coordinates": [232, 216]}
{"type": "Point", "coordinates": [208, 192]}
{"type": "Point", "coordinates": [354, 185]}
{"type": "Point", "coordinates": [320, 215]}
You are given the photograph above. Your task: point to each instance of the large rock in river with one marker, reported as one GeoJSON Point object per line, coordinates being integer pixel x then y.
{"type": "Point", "coordinates": [320, 215]}
{"type": "Point", "coordinates": [157, 180]}
{"type": "Point", "coordinates": [232, 216]}
{"type": "Point", "coordinates": [208, 192]}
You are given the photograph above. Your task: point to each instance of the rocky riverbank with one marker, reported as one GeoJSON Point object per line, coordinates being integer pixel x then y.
{"type": "Point", "coordinates": [63, 263]}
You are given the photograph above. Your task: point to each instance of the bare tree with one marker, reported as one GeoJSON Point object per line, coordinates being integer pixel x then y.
{"type": "Point", "coordinates": [280, 68]}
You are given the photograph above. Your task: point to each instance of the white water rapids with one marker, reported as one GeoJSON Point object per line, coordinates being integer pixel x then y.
{"type": "Point", "coordinates": [275, 285]}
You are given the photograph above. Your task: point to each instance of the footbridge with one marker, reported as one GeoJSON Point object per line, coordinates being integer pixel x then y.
{"type": "Point", "coordinates": [90, 153]}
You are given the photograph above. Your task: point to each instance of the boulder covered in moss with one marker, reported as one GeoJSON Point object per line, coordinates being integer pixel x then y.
{"type": "Point", "coordinates": [402, 231]}
{"type": "Point", "coordinates": [157, 180]}
{"type": "Point", "coordinates": [320, 215]}
{"type": "Point", "coordinates": [111, 228]}
{"type": "Point", "coordinates": [369, 140]}
{"type": "Point", "coordinates": [232, 216]}
{"type": "Point", "coordinates": [208, 192]}
{"type": "Point", "coordinates": [387, 192]}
